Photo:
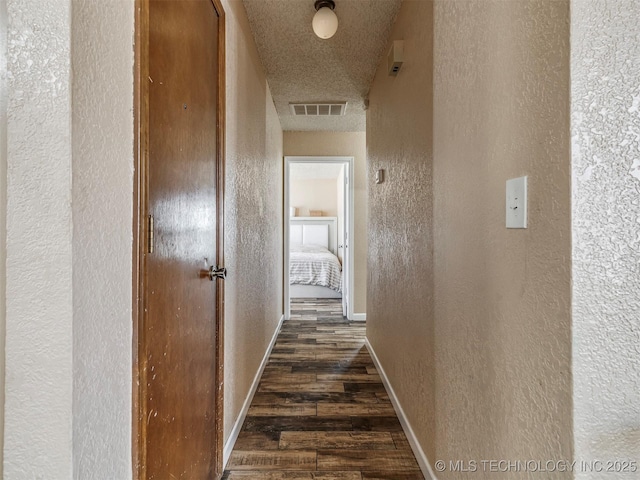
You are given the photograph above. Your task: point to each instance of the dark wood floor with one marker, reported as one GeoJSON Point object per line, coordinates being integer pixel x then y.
{"type": "Point", "coordinates": [321, 411]}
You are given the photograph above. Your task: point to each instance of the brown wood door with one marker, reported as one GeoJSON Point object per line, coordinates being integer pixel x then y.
{"type": "Point", "coordinates": [181, 393]}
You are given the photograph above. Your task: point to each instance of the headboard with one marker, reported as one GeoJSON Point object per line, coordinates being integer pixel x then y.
{"type": "Point", "coordinates": [314, 230]}
{"type": "Point", "coordinates": [302, 234]}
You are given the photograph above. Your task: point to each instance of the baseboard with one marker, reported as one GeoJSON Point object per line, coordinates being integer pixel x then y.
{"type": "Point", "coordinates": [423, 462]}
{"type": "Point", "coordinates": [359, 317]}
{"type": "Point", "coordinates": [235, 431]}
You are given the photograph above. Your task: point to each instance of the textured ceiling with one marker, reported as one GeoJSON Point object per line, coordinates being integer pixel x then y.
{"type": "Point", "coordinates": [301, 67]}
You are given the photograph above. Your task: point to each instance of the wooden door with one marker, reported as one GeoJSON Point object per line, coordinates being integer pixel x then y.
{"type": "Point", "coordinates": [180, 368]}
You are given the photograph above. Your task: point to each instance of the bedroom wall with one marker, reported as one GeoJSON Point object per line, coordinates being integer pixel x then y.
{"type": "Point", "coordinates": [253, 214]}
{"type": "Point", "coordinates": [502, 297]}
{"type": "Point", "coordinates": [348, 144]}
{"type": "Point", "coordinates": [605, 116]}
{"type": "Point", "coordinates": [318, 194]}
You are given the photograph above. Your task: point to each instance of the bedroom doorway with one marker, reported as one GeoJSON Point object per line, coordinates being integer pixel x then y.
{"type": "Point", "coordinates": [318, 226]}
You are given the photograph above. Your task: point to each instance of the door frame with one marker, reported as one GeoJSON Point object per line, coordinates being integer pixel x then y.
{"type": "Point", "coordinates": [139, 227]}
{"type": "Point", "coordinates": [349, 226]}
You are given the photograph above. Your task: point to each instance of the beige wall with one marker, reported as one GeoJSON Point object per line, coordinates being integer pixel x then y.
{"type": "Point", "coordinates": [503, 327]}
{"type": "Point", "coordinates": [605, 113]}
{"type": "Point", "coordinates": [253, 214]}
{"type": "Point", "coordinates": [348, 144]}
{"type": "Point", "coordinates": [476, 341]}
{"type": "Point", "coordinates": [400, 319]}
{"type": "Point", "coordinates": [318, 194]}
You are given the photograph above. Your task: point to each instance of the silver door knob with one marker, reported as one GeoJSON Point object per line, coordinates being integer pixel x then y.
{"type": "Point", "coordinates": [217, 272]}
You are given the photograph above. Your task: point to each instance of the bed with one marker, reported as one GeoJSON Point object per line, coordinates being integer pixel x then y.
{"type": "Point", "coordinates": [314, 269]}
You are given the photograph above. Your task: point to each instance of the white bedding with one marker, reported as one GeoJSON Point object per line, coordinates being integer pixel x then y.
{"type": "Point", "coordinates": [314, 265]}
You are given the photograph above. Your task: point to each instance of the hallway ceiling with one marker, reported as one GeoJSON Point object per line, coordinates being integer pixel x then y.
{"type": "Point", "coordinates": [302, 68]}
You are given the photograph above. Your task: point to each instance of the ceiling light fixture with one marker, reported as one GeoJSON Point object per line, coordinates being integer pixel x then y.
{"type": "Point", "coordinates": [325, 21]}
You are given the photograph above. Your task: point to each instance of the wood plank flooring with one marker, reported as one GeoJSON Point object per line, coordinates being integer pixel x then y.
{"type": "Point", "coordinates": [321, 411]}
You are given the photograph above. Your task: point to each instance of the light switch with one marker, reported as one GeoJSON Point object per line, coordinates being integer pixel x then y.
{"type": "Point", "coordinates": [380, 176]}
{"type": "Point", "coordinates": [517, 202]}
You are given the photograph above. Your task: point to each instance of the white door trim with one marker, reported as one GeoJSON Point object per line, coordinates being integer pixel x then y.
{"type": "Point", "coordinates": [349, 204]}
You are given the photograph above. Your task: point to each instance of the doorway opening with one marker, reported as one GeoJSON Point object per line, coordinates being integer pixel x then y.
{"type": "Point", "coordinates": [318, 228]}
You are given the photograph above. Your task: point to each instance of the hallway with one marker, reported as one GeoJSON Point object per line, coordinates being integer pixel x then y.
{"type": "Point", "coordinates": [321, 411]}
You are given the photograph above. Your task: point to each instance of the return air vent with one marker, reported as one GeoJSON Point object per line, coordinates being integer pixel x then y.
{"type": "Point", "coordinates": [335, 109]}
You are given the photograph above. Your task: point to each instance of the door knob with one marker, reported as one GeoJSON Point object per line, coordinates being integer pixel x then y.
{"type": "Point", "coordinates": [217, 272]}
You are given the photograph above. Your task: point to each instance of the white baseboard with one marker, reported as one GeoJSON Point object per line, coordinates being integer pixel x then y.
{"type": "Point", "coordinates": [235, 431]}
{"type": "Point", "coordinates": [423, 462]}
{"type": "Point", "coordinates": [359, 317]}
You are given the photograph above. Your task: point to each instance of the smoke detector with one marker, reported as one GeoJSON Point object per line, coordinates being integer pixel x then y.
{"type": "Point", "coordinates": [324, 109]}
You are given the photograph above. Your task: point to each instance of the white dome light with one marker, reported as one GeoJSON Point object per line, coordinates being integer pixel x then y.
{"type": "Point", "coordinates": [325, 21]}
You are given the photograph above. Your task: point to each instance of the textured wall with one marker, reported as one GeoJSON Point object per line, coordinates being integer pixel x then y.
{"type": "Point", "coordinates": [3, 207]}
{"type": "Point", "coordinates": [253, 214]}
{"type": "Point", "coordinates": [503, 331]}
{"type": "Point", "coordinates": [400, 281]}
{"type": "Point", "coordinates": [348, 144]}
{"type": "Point", "coordinates": [605, 115]}
{"type": "Point", "coordinates": [38, 416]}
{"type": "Point", "coordinates": [102, 35]}
{"type": "Point", "coordinates": [320, 194]}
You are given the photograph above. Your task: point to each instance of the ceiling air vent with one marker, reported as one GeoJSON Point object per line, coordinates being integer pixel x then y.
{"type": "Point", "coordinates": [333, 109]}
